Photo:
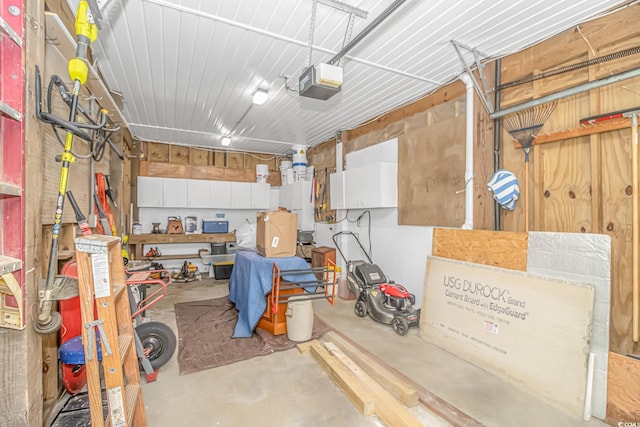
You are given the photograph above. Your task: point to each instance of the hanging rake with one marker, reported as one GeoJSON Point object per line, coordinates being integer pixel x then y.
{"type": "Point", "coordinates": [523, 126]}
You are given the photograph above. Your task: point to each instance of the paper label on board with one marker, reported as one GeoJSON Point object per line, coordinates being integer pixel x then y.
{"type": "Point", "coordinates": [116, 407]}
{"type": "Point", "coordinates": [275, 241]}
{"type": "Point", "coordinates": [100, 267]}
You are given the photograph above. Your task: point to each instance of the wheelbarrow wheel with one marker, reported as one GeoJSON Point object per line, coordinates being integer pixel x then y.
{"type": "Point", "coordinates": [159, 342]}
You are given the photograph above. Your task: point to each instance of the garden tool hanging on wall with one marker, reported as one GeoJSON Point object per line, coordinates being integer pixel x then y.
{"type": "Point", "coordinates": [523, 127]}
{"type": "Point", "coordinates": [48, 321]}
{"type": "Point", "coordinates": [102, 197]}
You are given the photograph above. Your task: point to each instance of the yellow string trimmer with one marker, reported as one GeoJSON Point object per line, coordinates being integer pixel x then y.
{"type": "Point", "coordinates": [49, 321]}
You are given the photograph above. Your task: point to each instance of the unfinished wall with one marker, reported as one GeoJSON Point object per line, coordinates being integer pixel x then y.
{"type": "Point", "coordinates": [176, 161]}
{"type": "Point", "coordinates": [431, 157]}
{"type": "Point", "coordinates": [581, 184]}
{"type": "Point", "coordinates": [323, 159]}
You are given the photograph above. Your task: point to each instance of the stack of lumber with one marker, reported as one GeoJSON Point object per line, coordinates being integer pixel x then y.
{"type": "Point", "coordinates": [377, 389]}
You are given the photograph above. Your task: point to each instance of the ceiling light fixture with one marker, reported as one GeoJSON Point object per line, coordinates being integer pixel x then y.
{"type": "Point", "coordinates": [226, 141]}
{"type": "Point", "coordinates": [260, 96]}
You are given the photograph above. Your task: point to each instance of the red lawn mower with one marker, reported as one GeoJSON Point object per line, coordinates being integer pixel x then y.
{"type": "Point", "coordinates": [380, 298]}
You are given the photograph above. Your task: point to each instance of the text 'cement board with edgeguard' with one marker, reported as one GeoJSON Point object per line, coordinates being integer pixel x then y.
{"type": "Point", "coordinates": [530, 330]}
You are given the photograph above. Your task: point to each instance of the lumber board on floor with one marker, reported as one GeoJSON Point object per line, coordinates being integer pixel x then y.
{"type": "Point", "coordinates": [304, 347]}
{"type": "Point", "coordinates": [399, 388]}
{"type": "Point", "coordinates": [387, 408]}
{"type": "Point", "coordinates": [345, 379]}
{"type": "Point", "coordinates": [433, 403]}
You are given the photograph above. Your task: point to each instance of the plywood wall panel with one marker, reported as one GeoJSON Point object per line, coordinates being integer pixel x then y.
{"type": "Point", "coordinates": [496, 248]}
{"type": "Point", "coordinates": [616, 216]}
{"type": "Point", "coordinates": [431, 164]}
{"type": "Point", "coordinates": [157, 152]}
{"type": "Point", "coordinates": [167, 170]}
{"type": "Point", "coordinates": [251, 160]}
{"type": "Point", "coordinates": [220, 159]}
{"type": "Point", "coordinates": [565, 191]}
{"type": "Point", "coordinates": [178, 154]}
{"type": "Point", "coordinates": [200, 157]}
{"type": "Point", "coordinates": [235, 160]}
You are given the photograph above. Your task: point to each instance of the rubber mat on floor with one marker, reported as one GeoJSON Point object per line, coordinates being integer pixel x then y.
{"type": "Point", "coordinates": [205, 331]}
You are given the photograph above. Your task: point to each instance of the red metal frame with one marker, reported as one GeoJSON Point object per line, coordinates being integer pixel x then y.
{"type": "Point", "coordinates": [144, 278]}
{"type": "Point", "coordinates": [12, 234]}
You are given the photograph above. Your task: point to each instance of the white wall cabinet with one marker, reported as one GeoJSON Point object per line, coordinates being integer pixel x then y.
{"type": "Point", "coordinates": [175, 193]}
{"type": "Point", "coordinates": [220, 194]}
{"type": "Point", "coordinates": [336, 183]}
{"type": "Point", "coordinates": [260, 195]}
{"type": "Point", "coordinates": [366, 187]}
{"type": "Point", "coordinates": [297, 197]}
{"type": "Point", "coordinates": [155, 192]}
{"type": "Point", "coordinates": [241, 195]}
{"type": "Point", "coordinates": [198, 193]}
{"type": "Point", "coordinates": [150, 192]}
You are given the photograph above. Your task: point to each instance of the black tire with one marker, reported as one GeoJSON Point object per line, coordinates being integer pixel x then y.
{"type": "Point", "coordinates": [361, 309]}
{"type": "Point", "coordinates": [159, 342]}
{"type": "Point", "coordinates": [400, 325]}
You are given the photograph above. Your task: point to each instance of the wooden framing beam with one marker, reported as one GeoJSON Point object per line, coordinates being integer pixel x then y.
{"type": "Point", "coordinates": [345, 379]}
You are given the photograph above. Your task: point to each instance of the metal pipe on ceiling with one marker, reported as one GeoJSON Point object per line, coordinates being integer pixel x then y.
{"type": "Point", "coordinates": [286, 39]}
{"type": "Point", "coordinates": [377, 21]}
{"type": "Point", "coordinates": [568, 92]}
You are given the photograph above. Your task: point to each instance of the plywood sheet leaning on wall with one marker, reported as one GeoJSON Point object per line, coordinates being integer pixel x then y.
{"type": "Point", "coordinates": [496, 248]}
{"type": "Point", "coordinates": [530, 330]}
{"type": "Point", "coordinates": [431, 166]}
{"type": "Point", "coordinates": [624, 389]}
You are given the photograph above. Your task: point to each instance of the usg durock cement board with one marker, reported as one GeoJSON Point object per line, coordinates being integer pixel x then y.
{"type": "Point", "coordinates": [530, 330]}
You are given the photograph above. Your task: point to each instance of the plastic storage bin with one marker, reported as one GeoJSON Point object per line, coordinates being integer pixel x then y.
{"type": "Point", "coordinates": [212, 227]}
{"type": "Point", "coordinates": [222, 270]}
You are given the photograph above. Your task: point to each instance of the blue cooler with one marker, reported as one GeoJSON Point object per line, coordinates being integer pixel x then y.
{"type": "Point", "coordinates": [212, 227]}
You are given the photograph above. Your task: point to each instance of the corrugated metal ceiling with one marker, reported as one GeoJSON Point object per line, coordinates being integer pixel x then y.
{"type": "Point", "coordinates": [187, 69]}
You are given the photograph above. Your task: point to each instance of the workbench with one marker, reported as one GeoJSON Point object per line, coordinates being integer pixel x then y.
{"type": "Point", "coordinates": [137, 242]}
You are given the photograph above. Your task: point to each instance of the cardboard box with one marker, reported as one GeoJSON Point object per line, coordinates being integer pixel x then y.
{"type": "Point", "coordinates": [276, 234]}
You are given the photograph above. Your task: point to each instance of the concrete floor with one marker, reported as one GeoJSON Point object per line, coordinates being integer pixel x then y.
{"type": "Point", "coordinates": [289, 389]}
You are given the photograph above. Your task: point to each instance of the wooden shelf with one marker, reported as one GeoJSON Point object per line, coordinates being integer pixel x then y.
{"type": "Point", "coordinates": [7, 189]}
{"type": "Point", "coordinates": [9, 265]}
{"type": "Point", "coordinates": [137, 242]}
{"type": "Point", "coordinates": [66, 45]}
{"type": "Point", "coordinates": [6, 29]}
{"type": "Point", "coordinates": [580, 131]}
{"type": "Point", "coordinates": [9, 111]}
{"type": "Point", "coordinates": [158, 239]}
{"type": "Point", "coordinates": [168, 257]}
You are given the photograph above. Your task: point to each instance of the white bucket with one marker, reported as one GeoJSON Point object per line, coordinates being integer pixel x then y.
{"type": "Point", "coordinates": [299, 149]}
{"type": "Point", "coordinates": [299, 319]}
{"type": "Point", "coordinates": [136, 228]}
{"type": "Point", "coordinates": [285, 166]}
{"type": "Point", "coordinates": [262, 173]}
{"type": "Point", "coordinates": [289, 176]}
{"type": "Point", "coordinates": [299, 167]}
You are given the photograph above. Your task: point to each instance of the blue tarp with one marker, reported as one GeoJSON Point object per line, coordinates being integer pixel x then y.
{"type": "Point", "coordinates": [250, 282]}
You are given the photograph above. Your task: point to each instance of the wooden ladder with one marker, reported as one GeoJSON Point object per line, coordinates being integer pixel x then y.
{"type": "Point", "coordinates": [101, 278]}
